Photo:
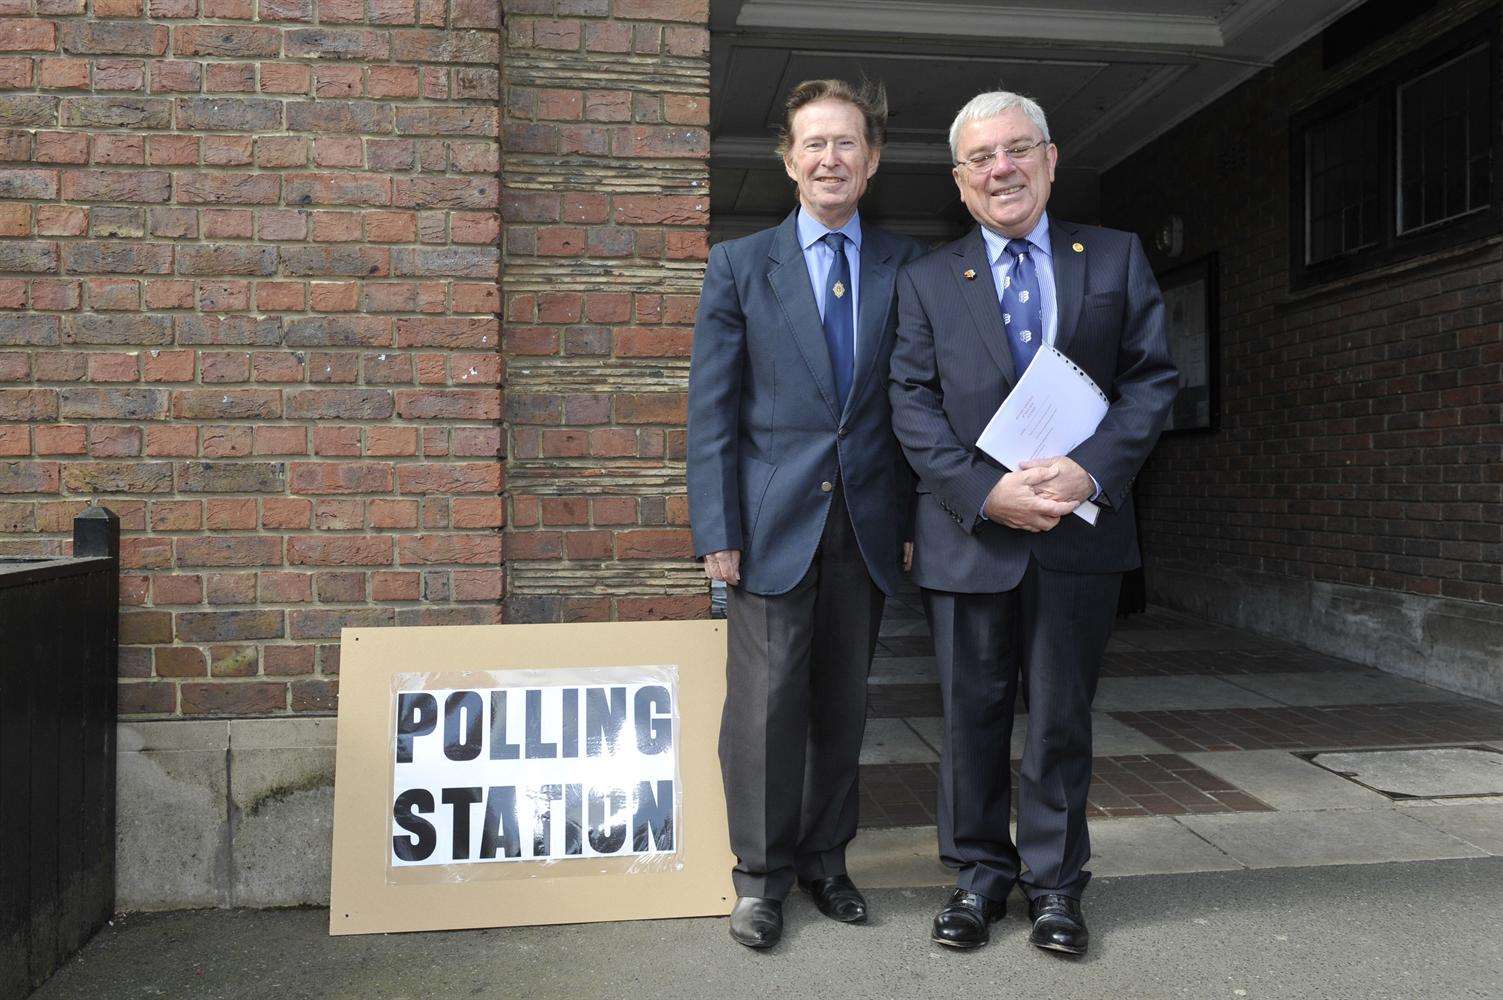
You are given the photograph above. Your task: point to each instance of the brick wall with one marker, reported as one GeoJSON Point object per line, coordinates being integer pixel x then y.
{"type": "Point", "coordinates": [249, 282]}
{"type": "Point", "coordinates": [606, 208]}
{"type": "Point", "coordinates": [1362, 421]}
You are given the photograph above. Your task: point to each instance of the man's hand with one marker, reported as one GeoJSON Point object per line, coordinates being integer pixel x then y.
{"type": "Point", "coordinates": [1016, 502]}
{"type": "Point", "coordinates": [1070, 484]}
{"type": "Point", "coordinates": [907, 556]}
{"type": "Point", "coordinates": [724, 565]}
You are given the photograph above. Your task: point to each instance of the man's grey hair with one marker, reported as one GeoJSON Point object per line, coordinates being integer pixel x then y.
{"type": "Point", "coordinates": [990, 105]}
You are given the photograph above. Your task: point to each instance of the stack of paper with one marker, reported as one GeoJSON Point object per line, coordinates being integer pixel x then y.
{"type": "Point", "coordinates": [1053, 408]}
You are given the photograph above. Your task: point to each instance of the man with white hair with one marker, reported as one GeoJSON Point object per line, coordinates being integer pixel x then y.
{"type": "Point", "coordinates": [1019, 592]}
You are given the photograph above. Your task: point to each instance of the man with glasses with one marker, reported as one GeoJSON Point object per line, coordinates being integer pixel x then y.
{"type": "Point", "coordinates": [800, 500]}
{"type": "Point", "coordinates": [1020, 593]}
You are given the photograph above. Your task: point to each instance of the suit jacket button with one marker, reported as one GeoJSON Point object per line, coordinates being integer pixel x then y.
{"type": "Point", "coordinates": [841, 432]}
{"type": "Point", "coordinates": [826, 486]}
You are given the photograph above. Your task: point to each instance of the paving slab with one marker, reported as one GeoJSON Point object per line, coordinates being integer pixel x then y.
{"type": "Point", "coordinates": [903, 670]}
{"type": "Point", "coordinates": [1191, 638]}
{"type": "Point", "coordinates": [1172, 693]}
{"type": "Point", "coordinates": [1109, 736]}
{"type": "Point", "coordinates": [1154, 845]}
{"type": "Point", "coordinates": [1238, 935]}
{"type": "Point", "coordinates": [893, 627]}
{"type": "Point", "coordinates": [896, 857]}
{"type": "Point", "coordinates": [1347, 688]}
{"type": "Point", "coordinates": [893, 741]}
{"type": "Point", "coordinates": [1286, 782]}
{"type": "Point", "coordinates": [1339, 837]}
{"type": "Point", "coordinates": [1427, 772]}
{"type": "Point", "coordinates": [1479, 824]}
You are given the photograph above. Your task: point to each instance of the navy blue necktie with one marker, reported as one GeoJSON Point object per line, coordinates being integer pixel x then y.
{"type": "Point", "coordinates": [1022, 312]}
{"type": "Point", "coordinates": [840, 326]}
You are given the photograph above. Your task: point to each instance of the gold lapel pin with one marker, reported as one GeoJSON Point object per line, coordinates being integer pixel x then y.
{"type": "Point", "coordinates": [970, 275]}
{"type": "Point", "coordinates": [1077, 248]}
{"type": "Point", "coordinates": [839, 289]}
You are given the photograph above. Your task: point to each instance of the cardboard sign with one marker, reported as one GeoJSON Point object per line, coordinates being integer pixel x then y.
{"type": "Point", "coordinates": [530, 774]}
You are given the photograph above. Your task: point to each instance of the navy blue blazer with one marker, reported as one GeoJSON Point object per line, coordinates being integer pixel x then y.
{"type": "Point", "coordinates": [766, 439]}
{"type": "Point", "coordinates": [951, 369]}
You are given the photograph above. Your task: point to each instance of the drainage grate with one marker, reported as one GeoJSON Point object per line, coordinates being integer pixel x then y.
{"type": "Point", "coordinates": [1459, 772]}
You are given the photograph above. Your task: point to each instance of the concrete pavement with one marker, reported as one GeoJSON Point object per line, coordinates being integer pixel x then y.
{"type": "Point", "coordinates": [1403, 931]}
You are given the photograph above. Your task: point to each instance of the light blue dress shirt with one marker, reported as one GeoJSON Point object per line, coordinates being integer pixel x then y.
{"type": "Point", "coordinates": [818, 258]}
{"type": "Point", "coordinates": [1042, 255]}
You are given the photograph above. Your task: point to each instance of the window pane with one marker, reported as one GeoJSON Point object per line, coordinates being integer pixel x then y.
{"type": "Point", "coordinates": [1342, 164]}
{"type": "Point", "coordinates": [1445, 149]}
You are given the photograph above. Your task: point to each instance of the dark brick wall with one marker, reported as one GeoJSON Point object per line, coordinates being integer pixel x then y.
{"type": "Point", "coordinates": [249, 278]}
{"type": "Point", "coordinates": [1361, 436]}
{"type": "Point", "coordinates": [606, 209]}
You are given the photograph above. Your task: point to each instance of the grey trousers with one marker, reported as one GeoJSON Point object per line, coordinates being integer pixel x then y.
{"type": "Point", "coordinates": [795, 712]}
{"type": "Point", "coordinates": [1048, 636]}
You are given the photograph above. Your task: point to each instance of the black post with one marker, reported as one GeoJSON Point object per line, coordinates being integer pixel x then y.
{"type": "Point", "coordinates": [96, 532]}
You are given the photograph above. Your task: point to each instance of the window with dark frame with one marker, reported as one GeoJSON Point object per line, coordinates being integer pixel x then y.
{"type": "Point", "coordinates": [1343, 182]}
{"type": "Point", "coordinates": [1445, 145]}
{"type": "Point", "coordinates": [1403, 163]}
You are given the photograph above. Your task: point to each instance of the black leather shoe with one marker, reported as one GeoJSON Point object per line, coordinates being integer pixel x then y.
{"type": "Point", "coordinates": [1058, 924]}
{"type": "Point", "coordinates": [757, 922]}
{"type": "Point", "coordinates": [837, 898]}
{"type": "Point", "coordinates": [966, 920]}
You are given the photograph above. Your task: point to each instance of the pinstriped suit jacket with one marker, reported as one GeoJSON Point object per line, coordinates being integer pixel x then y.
{"type": "Point", "coordinates": [951, 369]}
{"type": "Point", "coordinates": [764, 429]}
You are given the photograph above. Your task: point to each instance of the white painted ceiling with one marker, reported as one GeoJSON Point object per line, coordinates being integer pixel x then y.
{"type": "Point", "coordinates": [1110, 74]}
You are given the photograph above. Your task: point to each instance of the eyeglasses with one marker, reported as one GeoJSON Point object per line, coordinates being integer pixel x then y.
{"type": "Point", "coordinates": [982, 162]}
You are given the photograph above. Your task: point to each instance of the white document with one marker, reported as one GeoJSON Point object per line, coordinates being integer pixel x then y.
{"type": "Point", "coordinates": [1053, 408]}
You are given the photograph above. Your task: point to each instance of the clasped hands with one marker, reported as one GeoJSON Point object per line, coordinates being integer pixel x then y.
{"type": "Point", "coordinates": [1042, 491]}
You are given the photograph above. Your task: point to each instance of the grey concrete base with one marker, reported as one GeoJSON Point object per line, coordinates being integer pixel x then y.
{"type": "Point", "coordinates": [224, 813]}
{"type": "Point", "coordinates": [1456, 645]}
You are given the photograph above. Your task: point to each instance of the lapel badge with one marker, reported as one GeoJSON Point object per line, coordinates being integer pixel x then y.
{"type": "Point", "coordinates": [1077, 248]}
{"type": "Point", "coordinates": [839, 289]}
{"type": "Point", "coordinates": [970, 274]}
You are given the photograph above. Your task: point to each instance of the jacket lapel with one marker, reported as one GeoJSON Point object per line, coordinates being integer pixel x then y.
{"type": "Point", "coordinates": [877, 277]}
{"type": "Point", "coordinates": [1069, 280]}
{"type": "Point", "coordinates": [981, 297]}
{"type": "Point", "coordinates": [789, 277]}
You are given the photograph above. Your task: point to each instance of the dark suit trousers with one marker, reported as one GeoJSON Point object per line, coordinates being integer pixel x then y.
{"type": "Point", "coordinates": [1047, 635]}
{"type": "Point", "coordinates": [795, 711]}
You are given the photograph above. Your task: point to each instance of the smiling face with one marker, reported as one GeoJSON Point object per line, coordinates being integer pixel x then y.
{"type": "Point", "coordinates": [830, 160]}
{"type": "Point", "coordinates": [1009, 197]}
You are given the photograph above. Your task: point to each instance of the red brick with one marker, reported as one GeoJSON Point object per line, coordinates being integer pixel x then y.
{"type": "Point", "coordinates": [237, 699]}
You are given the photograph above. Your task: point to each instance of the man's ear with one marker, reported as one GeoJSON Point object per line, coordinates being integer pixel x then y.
{"type": "Point", "coordinates": [788, 167]}
{"type": "Point", "coordinates": [871, 168]}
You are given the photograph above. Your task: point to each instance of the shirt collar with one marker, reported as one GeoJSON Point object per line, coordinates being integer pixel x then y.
{"type": "Point", "coordinates": [1038, 240]}
{"type": "Point", "coordinates": [811, 230]}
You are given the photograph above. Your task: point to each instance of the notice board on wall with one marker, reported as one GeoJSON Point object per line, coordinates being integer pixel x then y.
{"type": "Point", "coordinates": [499, 775]}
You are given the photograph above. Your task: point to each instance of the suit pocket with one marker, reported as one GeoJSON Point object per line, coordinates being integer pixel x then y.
{"type": "Point", "coordinates": [756, 477]}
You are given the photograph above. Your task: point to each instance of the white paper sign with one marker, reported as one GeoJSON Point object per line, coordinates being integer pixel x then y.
{"type": "Point", "coordinates": [539, 773]}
